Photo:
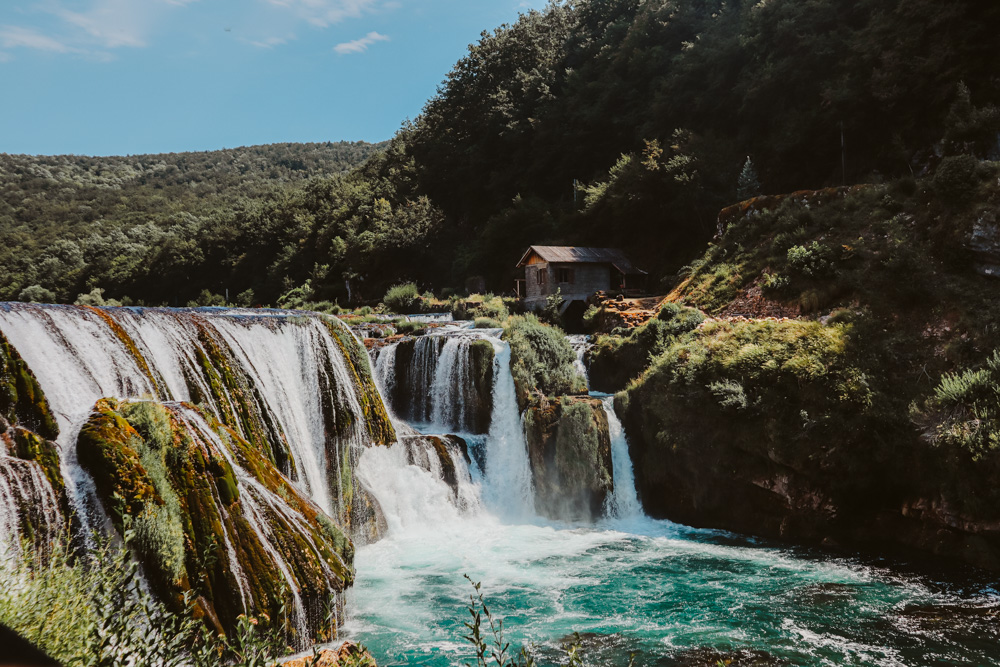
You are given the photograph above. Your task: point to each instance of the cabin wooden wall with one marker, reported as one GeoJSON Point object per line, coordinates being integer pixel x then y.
{"type": "Point", "coordinates": [587, 279]}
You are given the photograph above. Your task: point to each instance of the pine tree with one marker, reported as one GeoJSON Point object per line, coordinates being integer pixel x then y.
{"type": "Point", "coordinates": [748, 185]}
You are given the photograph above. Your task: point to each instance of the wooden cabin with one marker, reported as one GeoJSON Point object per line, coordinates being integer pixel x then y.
{"type": "Point", "coordinates": [577, 273]}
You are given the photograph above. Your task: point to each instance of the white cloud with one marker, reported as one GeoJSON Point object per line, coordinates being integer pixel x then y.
{"type": "Point", "coordinates": [271, 42]}
{"type": "Point", "coordinates": [324, 13]}
{"type": "Point", "coordinates": [360, 45]}
{"type": "Point", "coordinates": [14, 37]}
{"type": "Point", "coordinates": [93, 29]}
{"type": "Point", "coordinates": [114, 24]}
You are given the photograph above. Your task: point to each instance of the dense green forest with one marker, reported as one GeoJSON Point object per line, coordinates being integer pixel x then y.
{"type": "Point", "coordinates": [600, 122]}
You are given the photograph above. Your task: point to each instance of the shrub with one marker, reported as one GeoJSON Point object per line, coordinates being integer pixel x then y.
{"type": "Point", "coordinates": [955, 180]}
{"type": "Point", "coordinates": [411, 328]}
{"type": "Point", "coordinates": [403, 298]}
{"type": "Point", "coordinates": [206, 299]}
{"type": "Point", "coordinates": [97, 611]}
{"type": "Point", "coordinates": [95, 298]}
{"type": "Point", "coordinates": [491, 307]}
{"type": "Point", "coordinates": [812, 261]}
{"type": "Point", "coordinates": [542, 360]}
{"type": "Point", "coordinates": [591, 318]}
{"type": "Point", "coordinates": [36, 294]}
{"type": "Point", "coordinates": [245, 299]}
{"type": "Point", "coordinates": [297, 298]}
{"type": "Point", "coordinates": [487, 323]}
{"type": "Point", "coordinates": [615, 360]}
{"type": "Point", "coordinates": [964, 410]}
{"type": "Point", "coordinates": [159, 528]}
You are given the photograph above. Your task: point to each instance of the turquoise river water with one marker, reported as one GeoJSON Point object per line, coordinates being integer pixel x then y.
{"type": "Point", "coordinates": [631, 586]}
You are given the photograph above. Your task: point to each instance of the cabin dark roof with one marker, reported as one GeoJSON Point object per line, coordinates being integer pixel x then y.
{"type": "Point", "coordinates": [578, 255]}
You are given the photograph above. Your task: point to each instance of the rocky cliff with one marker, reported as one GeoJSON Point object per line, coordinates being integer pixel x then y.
{"type": "Point", "coordinates": [869, 421]}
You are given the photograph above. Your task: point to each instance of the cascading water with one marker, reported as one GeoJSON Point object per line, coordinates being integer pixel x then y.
{"type": "Point", "coordinates": [24, 488]}
{"type": "Point", "coordinates": [633, 587]}
{"type": "Point", "coordinates": [289, 385]}
{"type": "Point", "coordinates": [441, 382]}
{"type": "Point", "coordinates": [285, 369]}
{"type": "Point", "coordinates": [623, 503]}
{"type": "Point", "coordinates": [628, 583]}
{"type": "Point", "coordinates": [580, 343]}
{"type": "Point", "coordinates": [507, 483]}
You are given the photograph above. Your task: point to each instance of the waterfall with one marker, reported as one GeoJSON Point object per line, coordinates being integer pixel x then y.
{"type": "Point", "coordinates": [507, 483]}
{"type": "Point", "coordinates": [439, 381]}
{"type": "Point", "coordinates": [623, 502]}
{"type": "Point", "coordinates": [580, 344]}
{"type": "Point", "coordinates": [24, 489]}
{"type": "Point", "coordinates": [430, 380]}
{"type": "Point", "coordinates": [280, 380]}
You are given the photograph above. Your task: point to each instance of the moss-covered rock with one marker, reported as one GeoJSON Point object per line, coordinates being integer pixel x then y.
{"type": "Point", "coordinates": [22, 402]}
{"type": "Point", "coordinates": [569, 447]}
{"type": "Point", "coordinates": [439, 455]}
{"type": "Point", "coordinates": [778, 428]}
{"type": "Point", "coordinates": [615, 360]}
{"type": "Point", "coordinates": [377, 420]}
{"type": "Point", "coordinates": [244, 530]}
{"type": "Point", "coordinates": [480, 414]}
{"type": "Point", "coordinates": [542, 361]}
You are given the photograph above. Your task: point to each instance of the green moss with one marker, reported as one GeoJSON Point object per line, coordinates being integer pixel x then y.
{"type": "Point", "coordinates": [377, 420]}
{"type": "Point", "coordinates": [238, 402]}
{"type": "Point", "coordinates": [22, 401]}
{"type": "Point", "coordinates": [32, 447]}
{"type": "Point", "coordinates": [105, 450]}
{"type": "Point", "coordinates": [481, 355]}
{"type": "Point", "coordinates": [188, 503]}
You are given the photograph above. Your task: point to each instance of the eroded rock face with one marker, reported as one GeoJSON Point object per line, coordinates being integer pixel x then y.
{"type": "Point", "coordinates": [569, 448]}
{"type": "Point", "coordinates": [214, 516]}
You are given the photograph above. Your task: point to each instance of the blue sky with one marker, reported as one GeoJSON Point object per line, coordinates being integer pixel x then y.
{"type": "Point", "coordinates": [115, 77]}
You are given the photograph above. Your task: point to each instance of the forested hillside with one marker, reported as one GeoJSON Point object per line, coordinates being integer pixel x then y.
{"type": "Point", "coordinates": [140, 225]}
{"type": "Point", "coordinates": [611, 122]}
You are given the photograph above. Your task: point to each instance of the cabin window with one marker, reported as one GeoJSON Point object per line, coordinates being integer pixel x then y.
{"type": "Point", "coordinates": [564, 276]}
{"type": "Point", "coordinates": [540, 275]}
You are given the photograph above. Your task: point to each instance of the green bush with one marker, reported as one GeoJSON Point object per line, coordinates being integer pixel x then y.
{"type": "Point", "coordinates": [615, 360]}
{"type": "Point", "coordinates": [812, 261]}
{"type": "Point", "coordinates": [411, 328]}
{"type": "Point", "coordinates": [95, 298]}
{"type": "Point", "coordinates": [964, 410]}
{"type": "Point", "coordinates": [97, 611]}
{"type": "Point", "coordinates": [36, 294]}
{"type": "Point", "coordinates": [591, 318]}
{"type": "Point", "coordinates": [159, 527]}
{"type": "Point", "coordinates": [402, 299]}
{"type": "Point", "coordinates": [245, 299]}
{"type": "Point", "coordinates": [487, 323]}
{"type": "Point", "coordinates": [542, 360]}
{"type": "Point", "coordinates": [491, 307]}
{"type": "Point", "coordinates": [206, 299]}
{"type": "Point", "coordinates": [955, 180]}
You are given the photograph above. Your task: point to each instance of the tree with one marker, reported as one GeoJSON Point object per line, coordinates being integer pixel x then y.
{"type": "Point", "coordinates": [748, 185]}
